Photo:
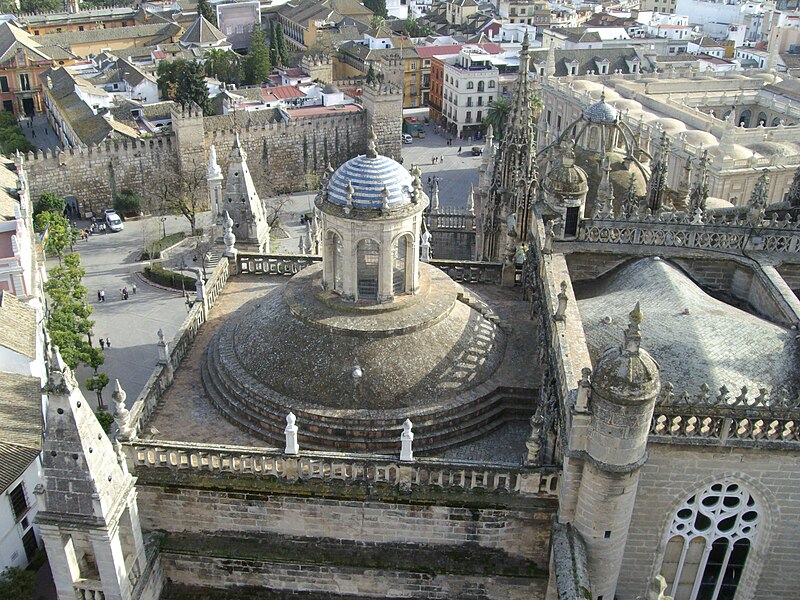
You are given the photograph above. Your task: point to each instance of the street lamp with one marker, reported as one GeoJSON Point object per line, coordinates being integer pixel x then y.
{"type": "Point", "coordinates": [163, 226]}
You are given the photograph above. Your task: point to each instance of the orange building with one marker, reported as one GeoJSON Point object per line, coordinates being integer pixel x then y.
{"type": "Point", "coordinates": [84, 20]}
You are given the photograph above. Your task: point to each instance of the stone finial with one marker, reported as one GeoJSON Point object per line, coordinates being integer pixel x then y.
{"type": "Point", "coordinates": [214, 171]}
{"type": "Point", "coordinates": [435, 197]}
{"type": "Point", "coordinates": [549, 237]}
{"type": "Point", "coordinates": [291, 435]}
{"type": "Point", "coordinates": [416, 191]}
{"type": "Point", "coordinates": [121, 413]}
{"type": "Point", "coordinates": [161, 336]}
{"type": "Point", "coordinates": [471, 200]}
{"type": "Point", "coordinates": [633, 335]}
{"type": "Point", "coordinates": [384, 199]}
{"type": "Point", "coordinates": [584, 391]}
{"type": "Point", "coordinates": [326, 177]}
{"type": "Point", "coordinates": [228, 238]}
{"type": "Point", "coordinates": [406, 440]}
{"type": "Point", "coordinates": [350, 190]}
{"type": "Point", "coordinates": [372, 149]}
{"type": "Point", "coordinates": [425, 243]}
{"type": "Point", "coordinates": [561, 309]}
{"type": "Point", "coordinates": [658, 589]}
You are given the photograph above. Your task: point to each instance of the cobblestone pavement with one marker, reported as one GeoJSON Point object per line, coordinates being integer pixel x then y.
{"type": "Point", "coordinates": [185, 413]}
{"type": "Point", "coordinates": [39, 132]}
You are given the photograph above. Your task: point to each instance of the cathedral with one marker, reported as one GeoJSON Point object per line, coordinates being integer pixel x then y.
{"type": "Point", "coordinates": [603, 405]}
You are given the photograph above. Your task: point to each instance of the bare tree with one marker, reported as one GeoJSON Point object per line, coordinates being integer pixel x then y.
{"type": "Point", "coordinates": [204, 249]}
{"type": "Point", "coordinates": [181, 192]}
{"type": "Point", "coordinates": [276, 209]}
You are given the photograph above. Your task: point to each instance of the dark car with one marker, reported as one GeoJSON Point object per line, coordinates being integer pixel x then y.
{"type": "Point", "coordinates": [477, 151]}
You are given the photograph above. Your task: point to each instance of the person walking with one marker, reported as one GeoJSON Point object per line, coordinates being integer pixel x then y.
{"type": "Point", "coordinates": [102, 295]}
{"type": "Point", "coordinates": [102, 344]}
{"type": "Point", "coordinates": [459, 149]}
{"type": "Point", "coordinates": [108, 342]}
{"type": "Point", "coordinates": [133, 289]}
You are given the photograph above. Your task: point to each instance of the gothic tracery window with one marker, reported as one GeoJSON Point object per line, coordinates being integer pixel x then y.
{"type": "Point", "coordinates": [709, 541]}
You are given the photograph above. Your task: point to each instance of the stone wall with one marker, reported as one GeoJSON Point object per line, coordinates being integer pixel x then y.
{"type": "Point", "coordinates": [249, 576]}
{"type": "Point", "coordinates": [283, 156]}
{"type": "Point", "coordinates": [523, 531]}
{"type": "Point", "coordinates": [673, 473]}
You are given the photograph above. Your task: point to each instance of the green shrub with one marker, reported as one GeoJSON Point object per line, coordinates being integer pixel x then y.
{"type": "Point", "coordinates": [170, 278]}
{"type": "Point", "coordinates": [105, 418]}
{"type": "Point", "coordinates": [127, 202]}
{"type": "Point", "coordinates": [17, 583]}
{"type": "Point", "coordinates": [153, 250]}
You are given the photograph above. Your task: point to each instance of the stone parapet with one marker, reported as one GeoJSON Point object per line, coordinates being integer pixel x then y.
{"type": "Point", "coordinates": [269, 464]}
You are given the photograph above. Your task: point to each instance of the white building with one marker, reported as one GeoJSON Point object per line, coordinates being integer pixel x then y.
{"type": "Point", "coordinates": [715, 17]}
{"type": "Point", "coordinates": [472, 80]}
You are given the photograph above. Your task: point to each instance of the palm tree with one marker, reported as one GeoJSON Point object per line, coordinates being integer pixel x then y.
{"type": "Point", "coordinates": [497, 115]}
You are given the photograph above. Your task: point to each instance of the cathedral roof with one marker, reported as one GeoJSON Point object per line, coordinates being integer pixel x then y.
{"type": "Point", "coordinates": [369, 176]}
{"type": "Point", "coordinates": [696, 339]}
{"type": "Point", "coordinates": [567, 178]}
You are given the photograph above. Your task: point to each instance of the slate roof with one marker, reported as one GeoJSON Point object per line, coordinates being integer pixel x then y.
{"type": "Point", "coordinates": [202, 32]}
{"type": "Point", "coordinates": [17, 326]}
{"type": "Point", "coordinates": [578, 34]}
{"type": "Point", "coordinates": [12, 38]}
{"type": "Point", "coordinates": [587, 59]}
{"type": "Point", "coordinates": [714, 343]}
{"type": "Point", "coordinates": [157, 31]}
{"type": "Point", "coordinates": [8, 187]}
{"type": "Point", "coordinates": [21, 433]}
{"type": "Point", "coordinates": [788, 87]}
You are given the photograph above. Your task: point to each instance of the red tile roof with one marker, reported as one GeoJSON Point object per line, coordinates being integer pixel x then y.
{"type": "Point", "coordinates": [281, 92]}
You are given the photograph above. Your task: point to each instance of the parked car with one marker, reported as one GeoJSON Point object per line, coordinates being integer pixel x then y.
{"type": "Point", "coordinates": [113, 221]}
{"type": "Point", "coordinates": [477, 151]}
{"type": "Point", "coordinates": [407, 139]}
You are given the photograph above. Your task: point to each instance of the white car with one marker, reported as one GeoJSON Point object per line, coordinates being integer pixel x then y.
{"type": "Point", "coordinates": [113, 221]}
{"type": "Point", "coordinates": [407, 139]}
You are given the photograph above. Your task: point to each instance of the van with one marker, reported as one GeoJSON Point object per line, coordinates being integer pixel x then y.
{"type": "Point", "coordinates": [113, 221]}
{"type": "Point", "coordinates": [407, 139]}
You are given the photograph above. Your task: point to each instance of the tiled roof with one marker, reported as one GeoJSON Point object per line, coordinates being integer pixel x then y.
{"type": "Point", "coordinates": [281, 92]}
{"type": "Point", "coordinates": [17, 326]}
{"type": "Point", "coordinates": [587, 59]}
{"type": "Point", "coordinates": [21, 433]}
{"type": "Point", "coordinates": [202, 32]}
{"type": "Point", "coordinates": [158, 31]}
{"type": "Point", "coordinates": [12, 38]}
{"type": "Point", "coordinates": [8, 187]}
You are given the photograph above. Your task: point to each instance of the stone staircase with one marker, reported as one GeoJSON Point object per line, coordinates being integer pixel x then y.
{"type": "Point", "coordinates": [262, 411]}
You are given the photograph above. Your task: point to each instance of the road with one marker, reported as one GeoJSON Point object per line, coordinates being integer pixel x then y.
{"type": "Point", "coordinates": [110, 261]}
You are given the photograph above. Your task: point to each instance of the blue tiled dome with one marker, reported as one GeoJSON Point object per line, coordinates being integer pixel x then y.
{"type": "Point", "coordinates": [368, 176]}
{"type": "Point", "coordinates": [600, 112]}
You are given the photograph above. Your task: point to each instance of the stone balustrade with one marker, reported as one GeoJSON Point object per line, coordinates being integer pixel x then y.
{"type": "Point", "coordinates": [723, 418]}
{"type": "Point", "coordinates": [274, 264]}
{"type": "Point", "coordinates": [451, 218]}
{"type": "Point", "coordinates": [347, 468]}
{"type": "Point", "coordinates": [775, 236]}
{"type": "Point", "coordinates": [88, 589]}
{"type": "Point", "coordinates": [467, 271]}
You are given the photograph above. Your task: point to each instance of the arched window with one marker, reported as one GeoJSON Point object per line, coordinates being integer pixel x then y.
{"type": "Point", "coordinates": [470, 85]}
{"type": "Point", "coordinates": [762, 119]}
{"type": "Point", "coordinates": [367, 256]}
{"type": "Point", "coordinates": [709, 541]}
{"type": "Point", "coordinates": [480, 86]}
{"type": "Point", "coordinates": [776, 121]}
{"type": "Point", "coordinates": [491, 85]}
{"type": "Point", "coordinates": [744, 118]}
{"type": "Point", "coordinates": [334, 250]}
{"type": "Point", "coordinates": [400, 262]}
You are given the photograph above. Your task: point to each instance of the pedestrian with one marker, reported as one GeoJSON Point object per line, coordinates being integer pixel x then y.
{"type": "Point", "coordinates": [102, 295]}
{"type": "Point", "coordinates": [108, 343]}
{"type": "Point", "coordinates": [102, 344]}
{"type": "Point", "coordinates": [99, 297]}
{"type": "Point", "coordinates": [441, 158]}
{"type": "Point", "coordinates": [459, 149]}
{"type": "Point", "coordinates": [33, 133]}
{"type": "Point", "coordinates": [134, 289]}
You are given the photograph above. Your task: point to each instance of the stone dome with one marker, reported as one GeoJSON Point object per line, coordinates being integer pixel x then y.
{"type": "Point", "coordinates": [368, 176]}
{"type": "Point", "coordinates": [700, 138]}
{"type": "Point", "coordinates": [627, 374]}
{"type": "Point", "coordinates": [670, 125]}
{"type": "Point", "coordinates": [330, 89]}
{"type": "Point", "coordinates": [601, 112]}
{"type": "Point", "coordinates": [567, 178]}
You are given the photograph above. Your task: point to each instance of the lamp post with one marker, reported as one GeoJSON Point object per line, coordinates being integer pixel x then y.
{"type": "Point", "coordinates": [163, 226]}
{"type": "Point", "coordinates": [89, 335]}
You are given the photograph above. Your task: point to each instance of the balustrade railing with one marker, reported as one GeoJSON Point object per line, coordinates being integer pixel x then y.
{"type": "Point", "coordinates": [88, 589]}
{"type": "Point", "coordinates": [467, 271]}
{"type": "Point", "coordinates": [451, 219]}
{"type": "Point", "coordinates": [275, 264]}
{"type": "Point", "coordinates": [319, 466]}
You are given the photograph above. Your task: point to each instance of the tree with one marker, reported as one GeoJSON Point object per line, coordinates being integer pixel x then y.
{"type": "Point", "coordinates": [280, 42]}
{"type": "Point", "coordinates": [12, 138]}
{"type": "Point", "coordinates": [50, 202]}
{"type": "Point", "coordinates": [181, 191]}
{"type": "Point", "coordinates": [377, 21]}
{"type": "Point", "coordinates": [497, 115]}
{"type": "Point", "coordinates": [127, 202]}
{"type": "Point", "coordinates": [257, 66]}
{"type": "Point", "coordinates": [273, 45]}
{"type": "Point", "coordinates": [413, 28]}
{"type": "Point", "coordinates": [96, 385]}
{"type": "Point", "coordinates": [40, 6]}
{"type": "Point", "coordinates": [205, 9]}
{"type": "Point", "coordinates": [225, 66]}
{"type": "Point", "coordinates": [68, 316]}
{"type": "Point", "coordinates": [372, 79]}
{"type": "Point", "coordinates": [106, 419]}
{"type": "Point", "coordinates": [59, 232]}
{"type": "Point", "coordinates": [378, 7]}
{"type": "Point", "coordinates": [184, 82]}
{"type": "Point", "coordinates": [17, 583]}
